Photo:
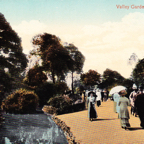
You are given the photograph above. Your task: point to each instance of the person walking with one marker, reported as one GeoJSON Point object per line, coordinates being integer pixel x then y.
{"type": "Point", "coordinates": [102, 95]}
{"type": "Point", "coordinates": [116, 98]}
{"type": "Point", "coordinates": [98, 99]}
{"type": "Point", "coordinates": [132, 98]}
{"type": "Point", "coordinates": [124, 113]}
{"type": "Point", "coordinates": [92, 114]}
{"type": "Point", "coordinates": [139, 104]}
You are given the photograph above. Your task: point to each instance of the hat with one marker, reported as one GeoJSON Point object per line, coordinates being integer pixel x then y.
{"type": "Point", "coordinates": [134, 86]}
{"type": "Point", "coordinates": [91, 92]}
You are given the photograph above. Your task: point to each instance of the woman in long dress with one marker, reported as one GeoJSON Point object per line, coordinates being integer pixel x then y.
{"type": "Point", "coordinates": [116, 98]}
{"type": "Point", "coordinates": [91, 100]}
{"type": "Point", "coordinates": [124, 113]}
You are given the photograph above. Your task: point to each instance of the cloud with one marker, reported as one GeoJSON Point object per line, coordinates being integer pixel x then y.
{"type": "Point", "coordinates": [108, 45]}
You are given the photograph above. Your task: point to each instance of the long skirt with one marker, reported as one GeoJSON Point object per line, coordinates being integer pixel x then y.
{"type": "Point", "coordinates": [92, 111]}
{"type": "Point", "coordinates": [98, 103]}
{"type": "Point", "coordinates": [141, 117]}
{"type": "Point", "coordinates": [124, 122]}
{"type": "Point", "coordinates": [115, 103]}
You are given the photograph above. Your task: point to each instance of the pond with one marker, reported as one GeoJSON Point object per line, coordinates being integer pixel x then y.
{"type": "Point", "coordinates": [30, 129]}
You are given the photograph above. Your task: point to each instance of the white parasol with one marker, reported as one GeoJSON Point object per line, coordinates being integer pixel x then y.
{"type": "Point", "coordinates": [117, 89]}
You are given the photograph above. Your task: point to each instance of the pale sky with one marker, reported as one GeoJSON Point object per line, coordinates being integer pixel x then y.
{"type": "Point", "coordinates": [105, 34]}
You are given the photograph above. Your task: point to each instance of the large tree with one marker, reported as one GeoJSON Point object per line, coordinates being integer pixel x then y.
{"type": "Point", "coordinates": [12, 59]}
{"type": "Point", "coordinates": [138, 73]}
{"type": "Point", "coordinates": [91, 78]}
{"type": "Point", "coordinates": [55, 57]}
{"type": "Point", "coordinates": [78, 60]}
{"type": "Point", "coordinates": [111, 78]}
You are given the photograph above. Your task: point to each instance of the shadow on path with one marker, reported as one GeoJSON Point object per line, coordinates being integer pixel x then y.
{"type": "Point", "coordinates": [103, 119]}
{"type": "Point", "coordinates": [135, 128]}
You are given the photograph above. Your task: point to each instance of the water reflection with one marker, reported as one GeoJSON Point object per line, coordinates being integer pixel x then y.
{"type": "Point", "coordinates": [30, 129]}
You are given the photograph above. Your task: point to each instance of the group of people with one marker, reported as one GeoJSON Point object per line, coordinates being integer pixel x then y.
{"type": "Point", "coordinates": [135, 100]}
{"type": "Point", "coordinates": [121, 103]}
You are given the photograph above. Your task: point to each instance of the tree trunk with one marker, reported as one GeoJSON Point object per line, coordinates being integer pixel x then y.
{"type": "Point", "coordinates": [72, 84]}
{"type": "Point", "coordinates": [53, 77]}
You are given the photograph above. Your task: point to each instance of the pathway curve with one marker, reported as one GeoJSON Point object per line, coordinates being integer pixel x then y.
{"type": "Point", "coordinates": [106, 129]}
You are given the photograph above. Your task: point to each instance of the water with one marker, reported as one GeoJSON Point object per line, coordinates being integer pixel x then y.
{"type": "Point", "coordinates": [30, 129]}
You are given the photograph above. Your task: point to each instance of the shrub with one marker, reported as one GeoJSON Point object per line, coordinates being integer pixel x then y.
{"type": "Point", "coordinates": [60, 87]}
{"type": "Point", "coordinates": [45, 92]}
{"type": "Point", "coordinates": [49, 109]}
{"type": "Point", "coordinates": [35, 77]}
{"type": "Point", "coordinates": [20, 102]}
{"type": "Point", "coordinates": [62, 103]}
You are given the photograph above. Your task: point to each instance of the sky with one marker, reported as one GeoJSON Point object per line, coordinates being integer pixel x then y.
{"type": "Point", "coordinates": [107, 32]}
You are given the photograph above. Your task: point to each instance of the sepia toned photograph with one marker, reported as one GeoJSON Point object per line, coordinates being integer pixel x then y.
{"type": "Point", "coordinates": [71, 72]}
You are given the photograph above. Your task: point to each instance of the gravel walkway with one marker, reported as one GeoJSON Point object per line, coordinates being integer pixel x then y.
{"type": "Point", "coordinates": [106, 129]}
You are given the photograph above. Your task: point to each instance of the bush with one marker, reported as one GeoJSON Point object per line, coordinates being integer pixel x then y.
{"type": "Point", "coordinates": [62, 103]}
{"type": "Point", "coordinates": [45, 92]}
{"type": "Point", "coordinates": [20, 102]}
{"type": "Point", "coordinates": [48, 90]}
{"type": "Point", "coordinates": [35, 77]}
{"type": "Point", "coordinates": [60, 87]}
{"type": "Point", "coordinates": [49, 109]}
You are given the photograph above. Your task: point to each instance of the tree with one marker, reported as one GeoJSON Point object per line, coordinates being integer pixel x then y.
{"type": "Point", "coordinates": [35, 76]}
{"type": "Point", "coordinates": [138, 73]}
{"type": "Point", "coordinates": [12, 58]}
{"type": "Point", "coordinates": [55, 57]}
{"type": "Point", "coordinates": [78, 60]}
{"type": "Point", "coordinates": [111, 78]}
{"type": "Point", "coordinates": [91, 78]}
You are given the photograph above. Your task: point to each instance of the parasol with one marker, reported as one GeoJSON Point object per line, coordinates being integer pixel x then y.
{"type": "Point", "coordinates": [117, 89]}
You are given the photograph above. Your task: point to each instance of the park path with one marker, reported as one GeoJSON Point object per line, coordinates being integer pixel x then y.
{"type": "Point", "coordinates": [106, 129]}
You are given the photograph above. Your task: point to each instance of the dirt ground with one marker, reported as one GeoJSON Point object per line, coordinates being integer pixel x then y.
{"type": "Point", "coordinates": [106, 129]}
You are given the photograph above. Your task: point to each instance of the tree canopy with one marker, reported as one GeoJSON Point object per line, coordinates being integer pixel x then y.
{"type": "Point", "coordinates": [35, 76]}
{"type": "Point", "coordinates": [77, 56]}
{"type": "Point", "coordinates": [91, 78]}
{"type": "Point", "coordinates": [138, 73]}
{"type": "Point", "coordinates": [78, 60]}
{"type": "Point", "coordinates": [111, 78]}
{"type": "Point", "coordinates": [55, 57]}
{"type": "Point", "coordinates": [12, 57]}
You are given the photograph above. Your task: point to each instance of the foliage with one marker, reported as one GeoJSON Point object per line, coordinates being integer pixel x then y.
{"type": "Point", "coordinates": [138, 73]}
{"type": "Point", "coordinates": [21, 101]}
{"type": "Point", "coordinates": [10, 45]}
{"type": "Point", "coordinates": [62, 103]}
{"type": "Point", "coordinates": [55, 57]}
{"type": "Point", "coordinates": [35, 76]}
{"type": "Point", "coordinates": [110, 79]}
{"type": "Point", "coordinates": [60, 87]}
{"type": "Point", "coordinates": [11, 56]}
{"type": "Point", "coordinates": [77, 56]}
{"type": "Point", "coordinates": [5, 80]}
{"type": "Point", "coordinates": [91, 78]}
{"type": "Point", "coordinates": [49, 109]}
{"type": "Point", "coordinates": [45, 92]}
{"type": "Point", "coordinates": [78, 60]}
